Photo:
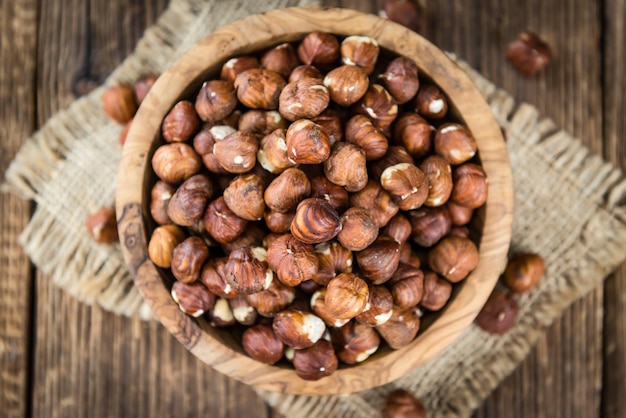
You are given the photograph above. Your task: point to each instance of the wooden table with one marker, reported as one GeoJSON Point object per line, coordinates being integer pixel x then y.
{"type": "Point", "coordinates": [59, 357]}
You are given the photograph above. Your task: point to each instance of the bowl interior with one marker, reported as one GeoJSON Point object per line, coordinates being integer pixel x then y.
{"type": "Point", "coordinates": [221, 349]}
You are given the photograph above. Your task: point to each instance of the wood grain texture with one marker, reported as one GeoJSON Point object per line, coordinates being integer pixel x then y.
{"type": "Point", "coordinates": [18, 49]}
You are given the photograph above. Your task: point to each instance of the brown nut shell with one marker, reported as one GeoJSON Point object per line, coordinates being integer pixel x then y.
{"type": "Point", "coordinates": [361, 51]}
{"type": "Point", "coordinates": [221, 223]}
{"type": "Point", "coordinates": [162, 243]}
{"type": "Point", "coordinates": [470, 186]}
{"type": "Point", "coordinates": [213, 276]}
{"type": "Point", "coordinates": [315, 362]}
{"type": "Point", "coordinates": [361, 131]}
{"type": "Point", "coordinates": [272, 300]}
{"type": "Point", "coordinates": [407, 185]}
{"type": "Point", "coordinates": [262, 122]}
{"type": "Point", "coordinates": [315, 221]}
{"type": "Point", "coordinates": [188, 258]}
{"type": "Point", "coordinates": [234, 66]}
{"type": "Point", "coordinates": [380, 260]}
{"type": "Point", "coordinates": [307, 143]}
{"type": "Point", "coordinates": [337, 196]}
{"type": "Point", "coordinates": [380, 304]}
{"type": "Point", "coordinates": [454, 258]}
{"type": "Point", "coordinates": [455, 143]}
{"type": "Point", "coordinates": [401, 79]}
{"type": "Point", "coordinates": [260, 343]}
{"type": "Point", "coordinates": [346, 84]}
{"type": "Point", "coordinates": [298, 329]}
{"type": "Point", "coordinates": [259, 88]}
{"type": "Point", "coordinates": [430, 102]}
{"type": "Point", "coordinates": [415, 134]}
{"type": "Point", "coordinates": [346, 296]}
{"type": "Point", "coordinates": [303, 99]}
{"type": "Point", "coordinates": [333, 259]}
{"type": "Point", "coordinates": [331, 123]}
{"type": "Point", "coordinates": [287, 190]}
{"type": "Point", "coordinates": [192, 298]}
{"type": "Point", "coordinates": [401, 328]}
{"type": "Point", "coordinates": [175, 162]}
{"type": "Point", "coordinates": [305, 71]}
{"type": "Point", "coordinates": [188, 203]}
{"type": "Point", "coordinates": [439, 175]}
{"type": "Point", "coordinates": [429, 225]}
{"type": "Point", "coordinates": [319, 48]}
{"type": "Point", "coordinates": [292, 260]}
{"type": "Point", "coordinates": [437, 292]}
{"type": "Point", "coordinates": [281, 59]}
{"type": "Point", "coordinates": [272, 154]}
{"type": "Point", "coordinates": [354, 342]}
{"type": "Point", "coordinates": [379, 106]}
{"type": "Point", "coordinates": [244, 196]}
{"type": "Point", "coordinates": [278, 223]}
{"type": "Point", "coordinates": [399, 229]}
{"type": "Point", "coordinates": [346, 166]}
{"type": "Point", "coordinates": [460, 215]}
{"type": "Point", "coordinates": [528, 53]}
{"type": "Point", "coordinates": [318, 304]}
{"type": "Point", "coordinates": [216, 100]}
{"type": "Point", "coordinates": [523, 272]}
{"type": "Point", "coordinates": [118, 102]}
{"type": "Point", "coordinates": [499, 314]}
{"type": "Point", "coordinates": [377, 201]}
{"type": "Point", "coordinates": [247, 270]}
{"type": "Point", "coordinates": [358, 229]}
{"type": "Point", "coordinates": [407, 286]}
{"type": "Point", "coordinates": [180, 123]}
{"type": "Point", "coordinates": [102, 226]}
{"type": "Point", "coordinates": [236, 153]}
{"type": "Point", "coordinates": [402, 404]}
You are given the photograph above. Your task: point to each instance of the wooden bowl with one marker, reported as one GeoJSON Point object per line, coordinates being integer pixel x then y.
{"type": "Point", "coordinates": [218, 348]}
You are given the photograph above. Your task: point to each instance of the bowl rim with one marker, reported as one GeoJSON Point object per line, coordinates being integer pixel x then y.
{"type": "Point", "coordinates": [252, 34]}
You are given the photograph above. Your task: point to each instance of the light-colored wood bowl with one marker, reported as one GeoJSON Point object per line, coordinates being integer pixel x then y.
{"type": "Point", "coordinates": [220, 349]}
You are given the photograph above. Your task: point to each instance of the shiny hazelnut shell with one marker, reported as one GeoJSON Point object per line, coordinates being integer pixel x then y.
{"type": "Point", "coordinates": [358, 229]}
{"type": "Point", "coordinates": [319, 48]}
{"type": "Point", "coordinates": [315, 221]}
{"type": "Point", "coordinates": [380, 303]}
{"type": "Point", "coordinates": [192, 298]}
{"type": "Point", "coordinates": [190, 200]}
{"type": "Point", "coordinates": [380, 260]}
{"type": "Point", "coordinates": [346, 84]}
{"type": "Point", "coordinates": [275, 298]}
{"type": "Point", "coordinates": [221, 223]}
{"type": "Point", "coordinates": [437, 292]}
{"type": "Point", "coordinates": [188, 258]}
{"type": "Point", "coordinates": [162, 243]}
{"type": "Point", "coordinates": [429, 225]}
{"type": "Point", "coordinates": [118, 102]}
{"type": "Point", "coordinates": [401, 328]}
{"type": "Point", "coordinates": [470, 186]}
{"type": "Point", "coordinates": [180, 123]}
{"type": "Point", "coordinates": [246, 271]}
{"type": "Point", "coordinates": [244, 196]}
{"type": "Point", "coordinates": [292, 260]}
{"type": "Point", "coordinates": [307, 143]}
{"type": "Point", "coordinates": [102, 226]}
{"type": "Point", "coordinates": [402, 404]}
{"type": "Point", "coordinates": [523, 272]}
{"type": "Point", "coordinates": [259, 88]}
{"type": "Point", "coordinates": [499, 314]}
{"type": "Point", "coordinates": [298, 329]}
{"type": "Point", "coordinates": [260, 343]}
{"type": "Point", "coordinates": [287, 190]}
{"type": "Point", "coordinates": [354, 342]}
{"type": "Point", "coordinates": [439, 175]}
{"type": "Point", "coordinates": [346, 166]}
{"type": "Point", "coordinates": [315, 362]}
{"type": "Point", "coordinates": [454, 258]}
{"type": "Point", "coordinates": [175, 162]}
{"type": "Point", "coordinates": [346, 296]}
{"type": "Point", "coordinates": [215, 100]}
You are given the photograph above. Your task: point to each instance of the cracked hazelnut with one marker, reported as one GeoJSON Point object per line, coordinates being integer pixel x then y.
{"type": "Point", "coordinates": [358, 229]}
{"type": "Point", "coordinates": [175, 162]}
{"type": "Point", "coordinates": [260, 343]}
{"type": "Point", "coordinates": [460, 215]}
{"type": "Point", "coordinates": [281, 59]}
{"type": "Point", "coordinates": [277, 222]}
{"type": "Point", "coordinates": [180, 123]}
{"type": "Point", "coordinates": [407, 286]}
{"type": "Point", "coordinates": [360, 131]}
{"type": "Point", "coordinates": [361, 51]}
{"type": "Point", "coordinates": [430, 102]}
{"type": "Point", "coordinates": [439, 175]}
{"type": "Point", "coordinates": [213, 276]}
{"type": "Point", "coordinates": [216, 100]}
{"type": "Point", "coordinates": [118, 102]}
{"type": "Point", "coordinates": [331, 123]}
{"type": "Point", "coordinates": [380, 304]}
{"type": "Point", "coordinates": [354, 342]}
{"type": "Point", "coordinates": [318, 304]}
{"type": "Point", "coordinates": [315, 362]}
{"type": "Point", "coordinates": [162, 242]}
{"type": "Point", "coordinates": [203, 143]}
{"type": "Point", "coordinates": [236, 153]}
{"type": "Point", "coordinates": [395, 155]}
{"type": "Point", "coordinates": [437, 292]}
{"type": "Point", "coordinates": [188, 203]}
{"type": "Point", "coordinates": [399, 229]}
{"type": "Point", "coordinates": [234, 66]}
{"type": "Point", "coordinates": [143, 86]}
{"type": "Point", "coordinates": [262, 122]}
{"type": "Point", "coordinates": [244, 196]}
{"type": "Point", "coordinates": [298, 329]}
{"type": "Point", "coordinates": [192, 298]}
{"type": "Point", "coordinates": [242, 311]}
{"type": "Point", "coordinates": [429, 225]}
{"type": "Point", "coordinates": [221, 315]}
{"type": "Point", "coordinates": [455, 143]}
{"type": "Point", "coordinates": [346, 84]}
{"type": "Point", "coordinates": [333, 259]}
{"type": "Point", "coordinates": [402, 404]}
{"type": "Point", "coordinates": [315, 221]}
{"type": "Point", "coordinates": [222, 223]}
{"type": "Point", "coordinates": [259, 88]}
{"type": "Point", "coordinates": [188, 258]}
{"type": "Point", "coordinates": [499, 314]}
{"type": "Point", "coordinates": [337, 196]}
{"type": "Point", "coordinates": [346, 296]}
{"type": "Point", "coordinates": [102, 226]}
{"type": "Point", "coordinates": [305, 71]}
{"type": "Point", "coordinates": [287, 190]}
{"type": "Point", "coordinates": [379, 105]}
{"type": "Point", "coordinates": [272, 153]}
{"type": "Point", "coordinates": [523, 272]}
{"type": "Point", "coordinates": [292, 260]}
{"type": "Point", "coordinates": [247, 270]}
{"type": "Point", "coordinates": [407, 185]}
{"type": "Point", "coordinates": [401, 328]}
{"type": "Point", "coordinates": [404, 12]}
{"type": "Point", "coordinates": [319, 48]}
{"type": "Point", "coordinates": [307, 143]}
{"type": "Point", "coordinates": [415, 134]}
{"type": "Point", "coordinates": [377, 201]}
{"type": "Point", "coordinates": [346, 166]}
{"type": "Point", "coordinates": [528, 53]}
{"type": "Point", "coordinates": [380, 260]}
{"type": "Point", "coordinates": [453, 258]}
{"type": "Point", "coordinates": [400, 79]}
{"type": "Point", "coordinates": [272, 300]}
{"type": "Point", "coordinates": [470, 186]}
{"type": "Point", "coordinates": [160, 196]}
{"type": "Point", "coordinates": [303, 99]}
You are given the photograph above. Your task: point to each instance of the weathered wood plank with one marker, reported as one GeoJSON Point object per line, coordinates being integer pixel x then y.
{"type": "Point", "coordinates": [18, 49]}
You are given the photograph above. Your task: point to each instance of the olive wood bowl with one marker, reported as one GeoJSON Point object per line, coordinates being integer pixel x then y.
{"type": "Point", "coordinates": [219, 348]}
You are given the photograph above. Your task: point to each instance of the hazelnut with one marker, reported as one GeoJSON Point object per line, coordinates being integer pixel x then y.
{"type": "Point", "coordinates": [308, 287]}
{"type": "Point", "coordinates": [216, 100]}
{"type": "Point", "coordinates": [379, 105]}
{"type": "Point", "coordinates": [354, 342]}
{"type": "Point", "coordinates": [414, 133]}
{"type": "Point", "coordinates": [102, 226]}
{"type": "Point", "coordinates": [333, 259]}
{"type": "Point", "coordinates": [242, 311]}
{"type": "Point", "coordinates": [315, 221]}
{"type": "Point", "coordinates": [455, 143]}
{"type": "Point", "coordinates": [318, 304]}
{"type": "Point", "coordinates": [203, 144]}
{"type": "Point", "coordinates": [262, 122]}
{"type": "Point", "coordinates": [162, 242]}
{"type": "Point", "coordinates": [499, 313]}
{"type": "Point", "coordinates": [331, 123]}
{"type": "Point", "coordinates": [402, 404]}
{"type": "Point", "coordinates": [236, 153]}
{"type": "Point", "coordinates": [470, 186]}
{"type": "Point", "coordinates": [252, 236]}
{"type": "Point", "coordinates": [439, 175]}
{"type": "Point", "coordinates": [272, 300]}
{"type": "Point", "coordinates": [404, 12]}
{"type": "Point", "coordinates": [188, 258]}
{"type": "Point", "coordinates": [453, 258]}
{"type": "Point", "coordinates": [380, 260]}
{"type": "Point", "coordinates": [260, 343]}
{"type": "Point", "coordinates": [361, 51]}
{"type": "Point", "coordinates": [281, 59]}
{"type": "Point", "coordinates": [175, 162]}
{"type": "Point", "coordinates": [180, 123]}
{"type": "Point", "coordinates": [523, 272]}
{"type": "Point", "coordinates": [272, 154]}
{"type": "Point", "coordinates": [234, 66]}
{"type": "Point", "coordinates": [259, 88]}
{"type": "Point", "coordinates": [222, 223]}
{"type": "Point", "coordinates": [303, 99]}
{"type": "Point", "coordinates": [346, 296]}
{"type": "Point", "coordinates": [213, 276]}
{"type": "Point", "coordinates": [124, 133]}
{"type": "Point", "coordinates": [305, 71]}
{"type": "Point", "coordinates": [346, 166]}
{"type": "Point", "coordinates": [188, 203]}
{"type": "Point", "coordinates": [118, 102]}
{"type": "Point", "coordinates": [430, 102]}
{"type": "Point", "coordinates": [247, 270]}
{"type": "Point", "coordinates": [337, 196]}
{"type": "Point", "coordinates": [429, 225]}
{"type": "Point", "coordinates": [298, 329]}
{"type": "Point", "coordinates": [192, 298]}
{"type": "Point", "coordinates": [277, 222]}
{"type": "Point", "coordinates": [358, 229]}
{"type": "Point", "coordinates": [287, 190]}
{"type": "Point", "coordinates": [528, 53]}
{"type": "Point", "coordinates": [346, 84]}
{"type": "Point", "coordinates": [271, 237]}
{"type": "Point", "coordinates": [377, 201]}
{"type": "Point", "coordinates": [407, 185]}
{"type": "Point", "coordinates": [460, 215]}
{"type": "Point", "coordinates": [319, 48]}
{"type": "Point", "coordinates": [292, 260]}
{"type": "Point", "coordinates": [400, 79]}
{"type": "Point", "coordinates": [160, 196]}
{"type": "Point", "coordinates": [401, 328]}
{"type": "Point", "coordinates": [143, 86]}
{"type": "Point", "coordinates": [459, 231]}
{"type": "Point", "coordinates": [407, 286]}
{"type": "Point", "coordinates": [232, 119]}
{"type": "Point", "coordinates": [380, 304]}
{"type": "Point", "coordinates": [221, 315]}
{"type": "Point", "coordinates": [437, 292]}
{"type": "Point", "coordinates": [395, 155]}
{"type": "Point", "coordinates": [307, 143]}
{"type": "Point", "coordinates": [360, 131]}
{"type": "Point", "coordinates": [399, 229]}
{"type": "Point", "coordinates": [244, 196]}
{"type": "Point", "coordinates": [409, 256]}
{"type": "Point", "coordinates": [315, 362]}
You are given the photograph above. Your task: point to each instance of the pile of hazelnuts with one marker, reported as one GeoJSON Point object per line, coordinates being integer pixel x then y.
{"type": "Point", "coordinates": [315, 197]}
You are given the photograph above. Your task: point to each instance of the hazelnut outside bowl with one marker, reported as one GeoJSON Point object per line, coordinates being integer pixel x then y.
{"type": "Point", "coordinates": [219, 348]}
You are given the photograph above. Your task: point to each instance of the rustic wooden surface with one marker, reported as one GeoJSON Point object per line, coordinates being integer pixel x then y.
{"type": "Point", "coordinates": [59, 357]}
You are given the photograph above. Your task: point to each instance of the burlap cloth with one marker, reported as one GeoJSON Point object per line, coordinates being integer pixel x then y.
{"type": "Point", "coordinates": [569, 207]}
